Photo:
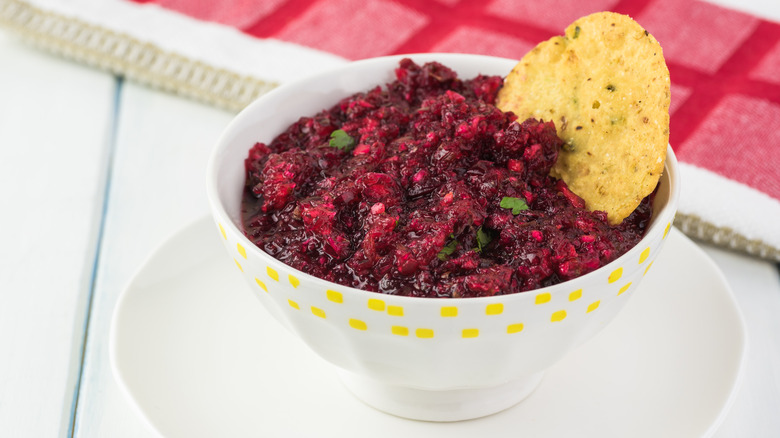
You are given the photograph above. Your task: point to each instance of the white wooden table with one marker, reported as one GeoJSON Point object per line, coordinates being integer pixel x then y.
{"type": "Point", "coordinates": [96, 172]}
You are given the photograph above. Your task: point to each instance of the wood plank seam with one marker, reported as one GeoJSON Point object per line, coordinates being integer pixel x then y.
{"type": "Point", "coordinates": [72, 420]}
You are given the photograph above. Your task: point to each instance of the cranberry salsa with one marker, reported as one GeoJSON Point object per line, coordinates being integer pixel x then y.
{"type": "Point", "coordinates": [424, 188]}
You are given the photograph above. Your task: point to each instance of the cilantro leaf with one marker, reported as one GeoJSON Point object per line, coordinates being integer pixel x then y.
{"type": "Point", "coordinates": [447, 250]}
{"type": "Point", "coordinates": [339, 139]}
{"type": "Point", "coordinates": [483, 238]}
{"type": "Point", "coordinates": [516, 204]}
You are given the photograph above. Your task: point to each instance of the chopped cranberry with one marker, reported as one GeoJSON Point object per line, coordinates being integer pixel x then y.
{"type": "Point", "coordinates": [414, 205]}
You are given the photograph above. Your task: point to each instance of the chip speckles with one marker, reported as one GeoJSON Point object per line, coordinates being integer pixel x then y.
{"type": "Point", "coordinates": [261, 284]}
{"type": "Point", "coordinates": [611, 86]}
{"type": "Point", "coordinates": [241, 250]}
{"type": "Point", "coordinates": [272, 273]}
{"type": "Point", "coordinates": [449, 311]}
{"type": "Point", "coordinates": [576, 295]}
{"type": "Point", "coordinates": [494, 309]}
{"type": "Point", "coordinates": [334, 296]}
{"type": "Point", "coordinates": [358, 324]}
{"type": "Point", "coordinates": [615, 275]}
{"type": "Point", "coordinates": [558, 316]}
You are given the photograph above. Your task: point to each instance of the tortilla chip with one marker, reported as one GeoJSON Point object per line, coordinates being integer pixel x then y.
{"type": "Point", "coordinates": [605, 84]}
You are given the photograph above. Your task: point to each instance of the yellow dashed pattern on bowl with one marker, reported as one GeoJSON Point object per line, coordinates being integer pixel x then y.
{"type": "Point", "coordinates": [448, 312]}
{"type": "Point", "coordinates": [558, 316]}
{"type": "Point", "coordinates": [316, 311]}
{"type": "Point", "coordinates": [400, 331]}
{"type": "Point", "coordinates": [470, 333]}
{"type": "Point", "coordinates": [543, 298]}
{"type": "Point", "coordinates": [514, 328]}
{"type": "Point", "coordinates": [358, 324]}
{"type": "Point", "coordinates": [375, 304]}
{"type": "Point", "coordinates": [615, 275]}
{"type": "Point", "coordinates": [395, 310]}
{"type": "Point", "coordinates": [424, 333]}
{"type": "Point", "coordinates": [643, 256]}
{"type": "Point", "coordinates": [494, 309]}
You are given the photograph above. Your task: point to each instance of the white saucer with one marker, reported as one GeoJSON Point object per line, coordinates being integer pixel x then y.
{"type": "Point", "coordinates": [200, 357]}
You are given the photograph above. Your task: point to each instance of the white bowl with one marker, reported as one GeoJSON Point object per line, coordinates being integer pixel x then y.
{"type": "Point", "coordinates": [422, 358]}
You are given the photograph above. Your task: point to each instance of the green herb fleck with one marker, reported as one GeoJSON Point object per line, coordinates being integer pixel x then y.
{"type": "Point", "coordinates": [341, 140]}
{"type": "Point", "coordinates": [576, 32]}
{"type": "Point", "coordinates": [483, 238]}
{"type": "Point", "coordinates": [447, 250]}
{"type": "Point", "coordinates": [516, 204]}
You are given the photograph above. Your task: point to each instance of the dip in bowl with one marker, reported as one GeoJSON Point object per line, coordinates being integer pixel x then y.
{"type": "Point", "coordinates": [439, 359]}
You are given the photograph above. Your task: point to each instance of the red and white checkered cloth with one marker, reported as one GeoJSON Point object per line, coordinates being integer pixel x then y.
{"type": "Point", "coordinates": [724, 64]}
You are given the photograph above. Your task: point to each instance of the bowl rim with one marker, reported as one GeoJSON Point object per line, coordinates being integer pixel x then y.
{"type": "Point", "coordinates": [663, 217]}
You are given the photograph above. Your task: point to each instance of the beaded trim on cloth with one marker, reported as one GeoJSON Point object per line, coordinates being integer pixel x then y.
{"type": "Point", "coordinates": [148, 64]}
{"type": "Point", "coordinates": [697, 228]}
{"type": "Point", "coordinates": [127, 56]}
